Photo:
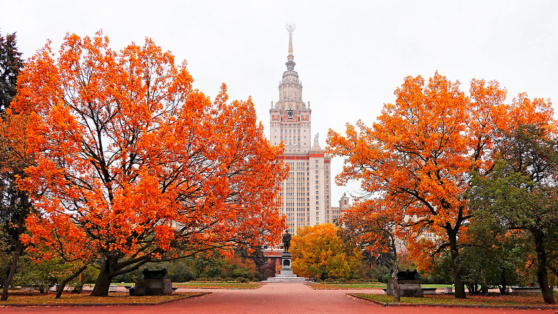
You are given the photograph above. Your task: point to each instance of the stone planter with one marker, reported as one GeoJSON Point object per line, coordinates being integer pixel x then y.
{"type": "Point", "coordinates": [409, 285]}
{"type": "Point", "coordinates": [153, 287]}
{"type": "Point", "coordinates": [407, 288]}
{"type": "Point", "coordinates": [155, 282]}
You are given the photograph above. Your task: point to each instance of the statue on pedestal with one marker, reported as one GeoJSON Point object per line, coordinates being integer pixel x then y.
{"type": "Point", "coordinates": [286, 241]}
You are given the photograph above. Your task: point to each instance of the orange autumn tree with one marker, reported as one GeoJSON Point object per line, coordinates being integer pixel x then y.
{"type": "Point", "coordinates": [375, 229]}
{"type": "Point", "coordinates": [318, 251]}
{"type": "Point", "coordinates": [419, 156]}
{"type": "Point", "coordinates": [135, 165]}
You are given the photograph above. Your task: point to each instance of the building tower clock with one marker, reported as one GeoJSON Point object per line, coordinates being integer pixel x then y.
{"type": "Point", "coordinates": [290, 113]}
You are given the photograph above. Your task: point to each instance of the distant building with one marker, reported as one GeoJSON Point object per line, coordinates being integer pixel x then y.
{"type": "Point", "coordinates": [306, 193]}
{"type": "Point", "coordinates": [335, 212]}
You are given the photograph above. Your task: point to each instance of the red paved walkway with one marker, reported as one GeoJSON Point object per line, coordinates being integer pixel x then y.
{"type": "Point", "coordinates": [271, 298]}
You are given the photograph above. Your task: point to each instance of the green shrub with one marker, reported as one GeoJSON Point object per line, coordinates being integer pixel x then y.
{"type": "Point", "coordinates": [182, 274]}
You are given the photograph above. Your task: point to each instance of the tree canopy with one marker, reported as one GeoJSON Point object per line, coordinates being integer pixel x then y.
{"type": "Point", "coordinates": [374, 228]}
{"type": "Point", "coordinates": [418, 158]}
{"type": "Point", "coordinates": [520, 195]}
{"type": "Point", "coordinates": [135, 165]}
{"type": "Point", "coordinates": [319, 252]}
{"type": "Point", "coordinates": [10, 65]}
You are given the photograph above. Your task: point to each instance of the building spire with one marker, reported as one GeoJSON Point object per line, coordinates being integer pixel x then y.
{"type": "Point", "coordinates": [290, 58]}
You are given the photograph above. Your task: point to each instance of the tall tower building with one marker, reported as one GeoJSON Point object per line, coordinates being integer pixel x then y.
{"type": "Point", "coordinates": [306, 193]}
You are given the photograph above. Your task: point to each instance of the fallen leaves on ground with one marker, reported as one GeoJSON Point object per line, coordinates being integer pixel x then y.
{"type": "Point", "coordinates": [531, 299]}
{"type": "Point", "coordinates": [113, 298]}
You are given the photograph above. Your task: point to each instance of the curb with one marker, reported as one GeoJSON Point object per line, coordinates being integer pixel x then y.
{"type": "Point", "coordinates": [517, 307]}
{"type": "Point", "coordinates": [201, 294]}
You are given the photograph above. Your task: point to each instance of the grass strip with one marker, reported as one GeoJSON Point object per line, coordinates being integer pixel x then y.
{"type": "Point", "coordinates": [205, 285]}
{"type": "Point", "coordinates": [218, 285]}
{"type": "Point", "coordinates": [345, 286]}
{"type": "Point", "coordinates": [360, 286]}
{"type": "Point", "coordinates": [494, 300]}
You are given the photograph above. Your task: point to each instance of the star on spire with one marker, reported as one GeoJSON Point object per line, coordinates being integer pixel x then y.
{"type": "Point", "coordinates": [290, 58]}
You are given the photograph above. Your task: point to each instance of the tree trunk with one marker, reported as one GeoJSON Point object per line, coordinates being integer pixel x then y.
{"type": "Point", "coordinates": [102, 285]}
{"type": "Point", "coordinates": [484, 289]}
{"type": "Point", "coordinates": [65, 282]}
{"type": "Point", "coordinates": [13, 268]}
{"type": "Point", "coordinates": [395, 282]}
{"type": "Point", "coordinates": [103, 281]}
{"type": "Point", "coordinates": [503, 287]}
{"type": "Point", "coordinates": [19, 245]}
{"type": "Point", "coordinates": [542, 274]}
{"type": "Point", "coordinates": [456, 263]}
{"type": "Point", "coordinates": [396, 292]}
{"type": "Point", "coordinates": [60, 289]}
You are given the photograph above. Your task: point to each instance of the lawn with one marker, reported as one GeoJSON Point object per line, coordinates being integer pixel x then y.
{"type": "Point", "coordinates": [205, 285]}
{"type": "Point", "coordinates": [18, 298]}
{"type": "Point", "coordinates": [345, 286]}
{"type": "Point", "coordinates": [218, 285]}
{"type": "Point", "coordinates": [357, 286]}
{"type": "Point", "coordinates": [524, 299]}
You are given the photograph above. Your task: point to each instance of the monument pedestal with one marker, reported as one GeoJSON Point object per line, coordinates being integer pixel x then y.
{"type": "Point", "coordinates": [286, 274]}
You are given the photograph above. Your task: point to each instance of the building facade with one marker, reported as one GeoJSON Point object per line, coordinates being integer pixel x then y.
{"type": "Point", "coordinates": [306, 193]}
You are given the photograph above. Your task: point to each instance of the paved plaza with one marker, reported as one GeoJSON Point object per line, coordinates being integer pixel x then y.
{"type": "Point", "coordinates": [271, 298]}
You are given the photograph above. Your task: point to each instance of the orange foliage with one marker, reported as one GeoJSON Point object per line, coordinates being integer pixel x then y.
{"type": "Point", "coordinates": [373, 227]}
{"type": "Point", "coordinates": [135, 164]}
{"type": "Point", "coordinates": [319, 252]}
{"type": "Point", "coordinates": [15, 155]}
{"type": "Point", "coordinates": [417, 159]}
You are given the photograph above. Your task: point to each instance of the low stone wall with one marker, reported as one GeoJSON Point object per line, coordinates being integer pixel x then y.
{"type": "Point", "coordinates": [527, 289]}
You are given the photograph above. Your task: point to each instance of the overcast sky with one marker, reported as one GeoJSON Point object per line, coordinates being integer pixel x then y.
{"type": "Point", "coordinates": [350, 55]}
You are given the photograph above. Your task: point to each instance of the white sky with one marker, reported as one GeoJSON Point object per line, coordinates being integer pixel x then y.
{"type": "Point", "coordinates": [350, 55]}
